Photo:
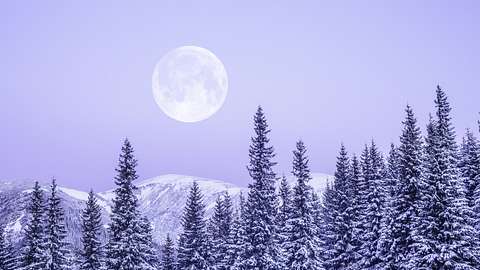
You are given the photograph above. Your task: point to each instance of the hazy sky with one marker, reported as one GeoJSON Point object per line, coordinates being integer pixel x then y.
{"type": "Point", "coordinates": [76, 80]}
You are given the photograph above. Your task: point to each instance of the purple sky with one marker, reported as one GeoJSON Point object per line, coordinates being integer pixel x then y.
{"type": "Point", "coordinates": [76, 80]}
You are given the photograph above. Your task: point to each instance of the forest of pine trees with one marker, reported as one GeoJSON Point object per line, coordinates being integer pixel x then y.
{"type": "Point", "coordinates": [417, 207]}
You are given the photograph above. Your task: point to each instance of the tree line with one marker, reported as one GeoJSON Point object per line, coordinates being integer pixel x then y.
{"type": "Point", "coordinates": [418, 207]}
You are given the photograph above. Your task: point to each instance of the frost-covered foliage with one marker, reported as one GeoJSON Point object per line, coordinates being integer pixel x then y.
{"type": "Point", "coordinates": [418, 209]}
{"type": "Point", "coordinates": [7, 260]}
{"type": "Point", "coordinates": [192, 246]}
{"type": "Point", "coordinates": [219, 231]}
{"type": "Point", "coordinates": [260, 249]}
{"type": "Point", "coordinates": [92, 254]}
{"type": "Point", "coordinates": [168, 261]}
{"type": "Point", "coordinates": [443, 236]}
{"type": "Point", "coordinates": [57, 250]}
{"type": "Point", "coordinates": [129, 236]}
{"type": "Point", "coordinates": [302, 250]}
{"type": "Point", "coordinates": [341, 253]}
{"type": "Point", "coordinates": [405, 167]}
{"type": "Point", "coordinates": [33, 254]}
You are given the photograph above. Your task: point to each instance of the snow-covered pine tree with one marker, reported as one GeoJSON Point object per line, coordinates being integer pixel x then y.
{"type": "Point", "coordinates": [123, 249]}
{"type": "Point", "coordinates": [284, 210]}
{"type": "Point", "coordinates": [168, 255]}
{"type": "Point", "coordinates": [225, 230]}
{"type": "Point", "coordinates": [356, 179]}
{"type": "Point", "coordinates": [235, 240]}
{"type": "Point", "coordinates": [363, 184]}
{"type": "Point", "coordinates": [392, 171]}
{"type": "Point", "coordinates": [192, 254]}
{"type": "Point", "coordinates": [325, 225]}
{"type": "Point", "coordinates": [33, 251]}
{"type": "Point", "coordinates": [342, 250]}
{"type": "Point", "coordinates": [260, 250]}
{"type": "Point", "coordinates": [469, 165]}
{"type": "Point", "coordinates": [401, 211]}
{"type": "Point", "coordinates": [57, 252]}
{"type": "Point", "coordinates": [371, 216]}
{"type": "Point", "coordinates": [91, 255]}
{"type": "Point", "coordinates": [443, 237]}
{"type": "Point", "coordinates": [219, 230]}
{"type": "Point", "coordinates": [234, 243]}
{"type": "Point", "coordinates": [302, 245]}
{"type": "Point", "coordinates": [146, 245]}
{"type": "Point", "coordinates": [317, 213]}
{"type": "Point", "coordinates": [215, 238]}
{"type": "Point", "coordinates": [7, 261]}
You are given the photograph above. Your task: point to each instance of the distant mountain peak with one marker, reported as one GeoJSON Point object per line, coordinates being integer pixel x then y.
{"type": "Point", "coordinates": [161, 199]}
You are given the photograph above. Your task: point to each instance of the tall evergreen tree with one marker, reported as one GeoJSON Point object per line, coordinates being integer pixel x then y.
{"type": "Point", "coordinates": [363, 189]}
{"type": "Point", "coordinates": [123, 248]}
{"type": "Point", "coordinates": [342, 251]}
{"type": "Point", "coordinates": [92, 255]}
{"type": "Point", "coordinates": [284, 210]}
{"type": "Point", "coordinates": [260, 250]}
{"type": "Point", "coordinates": [392, 171]}
{"type": "Point", "coordinates": [401, 211]}
{"type": "Point", "coordinates": [325, 225]}
{"type": "Point", "coordinates": [7, 261]}
{"type": "Point", "coordinates": [57, 251]}
{"type": "Point", "coordinates": [221, 223]}
{"type": "Point", "coordinates": [469, 165]}
{"type": "Point", "coordinates": [302, 246]}
{"type": "Point", "coordinates": [168, 255]}
{"type": "Point", "coordinates": [371, 216]}
{"type": "Point", "coordinates": [443, 238]}
{"type": "Point", "coordinates": [235, 239]}
{"type": "Point", "coordinates": [146, 245]}
{"type": "Point", "coordinates": [234, 243]}
{"type": "Point", "coordinates": [33, 253]}
{"type": "Point", "coordinates": [191, 248]}
{"type": "Point", "coordinates": [356, 180]}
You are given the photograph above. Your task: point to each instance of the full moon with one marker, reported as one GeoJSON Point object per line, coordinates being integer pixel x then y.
{"type": "Point", "coordinates": [189, 84]}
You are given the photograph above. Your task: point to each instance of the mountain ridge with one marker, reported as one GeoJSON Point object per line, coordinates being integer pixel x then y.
{"type": "Point", "coordinates": [161, 199]}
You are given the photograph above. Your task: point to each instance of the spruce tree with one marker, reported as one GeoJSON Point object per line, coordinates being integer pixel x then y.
{"type": "Point", "coordinates": [469, 165]}
{"type": "Point", "coordinates": [146, 246]}
{"type": "Point", "coordinates": [326, 225]}
{"type": "Point", "coordinates": [342, 250]}
{"type": "Point", "coordinates": [371, 216]}
{"type": "Point", "coordinates": [226, 230]}
{"type": "Point", "coordinates": [57, 251]}
{"type": "Point", "coordinates": [443, 238]}
{"type": "Point", "coordinates": [191, 248]}
{"type": "Point", "coordinates": [260, 250]}
{"type": "Point", "coordinates": [7, 261]}
{"type": "Point", "coordinates": [392, 171]}
{"type": "Point", "coordinates": [234, 243]}
{"type": "Point", "coordinates": [235, 239]}
{"type": "Point", "coordinates": [284, 210]}
{"type": "Point", "coordinates": [92, 255]}
{"type": "Point", "coordinates": [401, 211]}
{"type": "Point", "coordinates": [356, 179]}
{"type": "Point", "coordinates": [33, 252]}
{"type": "Point", "coordinates": [123, 247]}
{"type": "Point", "coordinates": [302, 246]}
{"type": "Point", "coordinates": [168, 255]}
{"type": "Point", "coordinates": [219, 230]}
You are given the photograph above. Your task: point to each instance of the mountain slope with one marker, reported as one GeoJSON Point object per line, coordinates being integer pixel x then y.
{"type": "Point", "coordinates": [161, 199]}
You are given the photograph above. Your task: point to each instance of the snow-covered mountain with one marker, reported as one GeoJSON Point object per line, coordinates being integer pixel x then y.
{"type": "Point", "coordinates": [161, 199]}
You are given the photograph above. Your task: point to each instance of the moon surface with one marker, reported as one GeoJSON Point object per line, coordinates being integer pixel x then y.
{"type": "Point", "coordinates": [189, 84]}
